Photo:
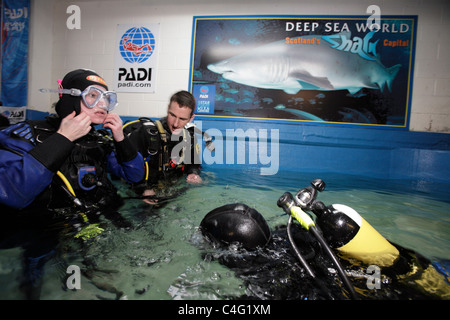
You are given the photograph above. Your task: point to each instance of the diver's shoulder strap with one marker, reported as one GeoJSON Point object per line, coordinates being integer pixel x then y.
{"type": "Point", "coordinates": [131, 126]}
{"type": "Point", "coordinates": [150, 138]}
{"type": "Point", "coordinates": [164, 154]}
{"type": "Point", "coordinates": [165, 157]}
{"type": "Point", "coordinates": [161, 130]}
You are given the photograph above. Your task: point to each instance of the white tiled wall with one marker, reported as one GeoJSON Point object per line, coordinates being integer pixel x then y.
{"type": "Point", "coordinates": [55, 50]}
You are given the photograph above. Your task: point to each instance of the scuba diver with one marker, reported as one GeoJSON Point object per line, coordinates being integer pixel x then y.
{"type": "Point", "coordinates": [339, 255]}
{"type": "Point", "coordinates": [168, 145]}
{"type": "Point", "coordinates": [55, 172]}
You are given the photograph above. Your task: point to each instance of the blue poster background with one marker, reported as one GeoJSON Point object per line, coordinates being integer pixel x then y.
{"type": "Point", "coordinates": [321, 69]}
{"type": "Point", "coordinates": [14, 82]}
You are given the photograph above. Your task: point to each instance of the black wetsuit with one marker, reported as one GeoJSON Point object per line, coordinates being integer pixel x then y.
{"type": "Point", "coordinates": [168, 156]}
{"type": "Point", "coordinates": [37, 205]}
{"type": "Point", "coordinates": [271, 269]}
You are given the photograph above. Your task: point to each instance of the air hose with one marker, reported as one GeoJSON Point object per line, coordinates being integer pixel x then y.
{"type": "Point", "coordinates": [89, 230]}
{"type": "Point", "coordinates": [297, 251]}
{"type": "Point", "coordinates": [286, 201]}
{"type": "Point", "coordinates": [336, 262]}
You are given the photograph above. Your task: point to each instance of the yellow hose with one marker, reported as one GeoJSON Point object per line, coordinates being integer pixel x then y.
{"type": "Point", "coordinates": [66, 182]}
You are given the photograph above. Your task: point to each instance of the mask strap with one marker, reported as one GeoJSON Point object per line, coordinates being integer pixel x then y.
{"type": "Point", "coordinates": [60, 86]}
{"type": "Point", "coordinates": [73, 92]}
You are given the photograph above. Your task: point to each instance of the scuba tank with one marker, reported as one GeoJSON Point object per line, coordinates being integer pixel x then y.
{"type": "Point", "coordinates": [345, 230]}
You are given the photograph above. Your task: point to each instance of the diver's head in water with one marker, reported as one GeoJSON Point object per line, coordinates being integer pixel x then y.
{"type": "Point", "coordinates": [236, 223]}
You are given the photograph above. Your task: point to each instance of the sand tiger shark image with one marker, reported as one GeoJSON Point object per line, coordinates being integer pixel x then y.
{"type": "Point", "coordinates": [294, 67]}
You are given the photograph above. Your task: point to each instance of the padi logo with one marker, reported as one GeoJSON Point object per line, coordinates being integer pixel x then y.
{"type": "Point", "coordinates": [204, 90]}
{"type": "Point", "coordinates": [363, 47]}
{"type": "Point", "coordinates": [14, 114]}
{"type": "Point", "coordinates": [137, 44]}
{"type": "Point", "coordinates": [141, 74]}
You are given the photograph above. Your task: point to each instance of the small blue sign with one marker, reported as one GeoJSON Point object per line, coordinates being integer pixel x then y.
{"type": "Point", "coordinates": [204, 96]}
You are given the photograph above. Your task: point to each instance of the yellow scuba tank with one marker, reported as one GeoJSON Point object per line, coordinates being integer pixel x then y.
{"type": "Point", "coordinates": [367, 245]}
{"type": "Point", "coordinates": [344, 229]}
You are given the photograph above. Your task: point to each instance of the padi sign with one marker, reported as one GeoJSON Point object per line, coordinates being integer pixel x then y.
{"type": "Point", "coordinates": [204, 97]}
{"type": "Point", "coordinates": [14, 114]}
{"type": "Point", "coordinates": [135, 57]}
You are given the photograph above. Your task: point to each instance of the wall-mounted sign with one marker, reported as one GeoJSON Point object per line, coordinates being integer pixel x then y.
{"type": "Point", "coordinates": [14, 53]}
{"type": "Point", "coordinates": [324, 69]}
{"type": "Point", "coordinates": [136, 57]}
{"type": "Point", "coordinates": [14, 114]}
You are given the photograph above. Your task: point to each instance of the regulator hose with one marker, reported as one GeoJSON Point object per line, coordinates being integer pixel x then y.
{"type": "Point", "coordinates": [336, 262]}
{"type": "Point", "coordinates": [286, 202]}
{"type": "Point", "coordinates": [297, 251]}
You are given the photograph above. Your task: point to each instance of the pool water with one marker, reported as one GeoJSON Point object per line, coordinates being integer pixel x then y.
{"type": "Point", "coordinates": [162, 255]}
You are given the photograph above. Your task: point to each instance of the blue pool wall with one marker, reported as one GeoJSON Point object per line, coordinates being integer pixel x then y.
{"type": "Point", "coordinates": [372, 151]}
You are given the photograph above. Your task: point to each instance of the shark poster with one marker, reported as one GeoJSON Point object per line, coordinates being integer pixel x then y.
{"type": "Point", "coordinates": [333, 69]}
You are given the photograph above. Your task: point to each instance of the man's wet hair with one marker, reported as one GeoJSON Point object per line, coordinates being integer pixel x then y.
{"type": "Point", "coordinates": [184, 99]}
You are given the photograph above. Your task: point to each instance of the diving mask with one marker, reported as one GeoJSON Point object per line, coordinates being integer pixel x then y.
{"type": "Point", "coordinates": [91, 97]}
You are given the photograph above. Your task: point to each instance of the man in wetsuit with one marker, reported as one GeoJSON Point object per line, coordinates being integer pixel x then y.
{"type": "Point", "coordinates": [168, 145]}
{"type": "Point", "coordinates": [57, 168]}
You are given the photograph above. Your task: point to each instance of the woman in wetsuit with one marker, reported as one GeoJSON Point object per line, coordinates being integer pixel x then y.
{"type": "Point", "coordinates": [56, 169]}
